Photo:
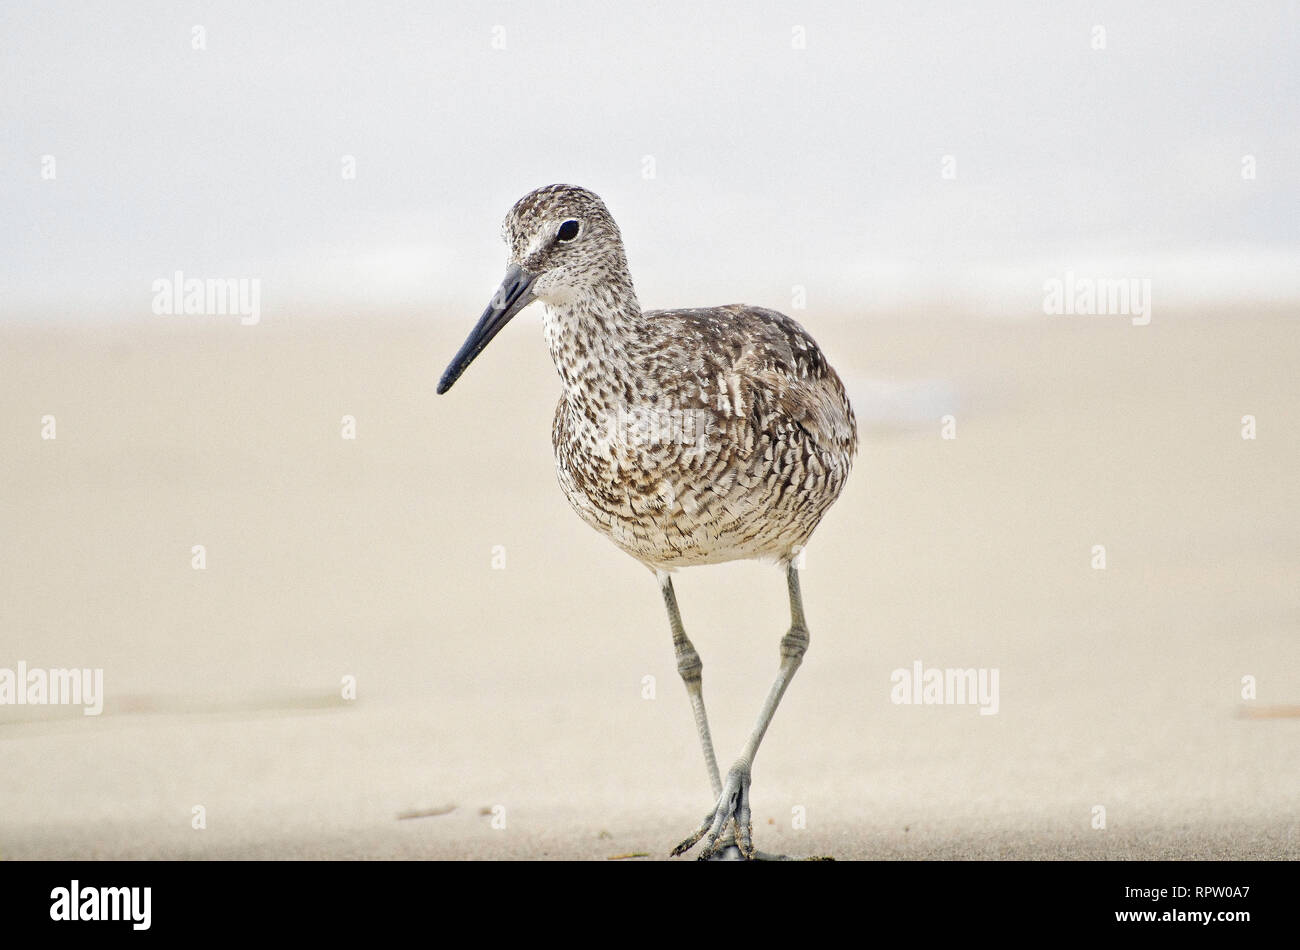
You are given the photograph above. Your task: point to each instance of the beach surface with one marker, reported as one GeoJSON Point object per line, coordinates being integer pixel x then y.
{"type": "Point", "coordinates": [515, 691]}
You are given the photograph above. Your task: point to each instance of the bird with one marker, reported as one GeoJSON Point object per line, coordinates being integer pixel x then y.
{"type": "Point", "coordinates": [687, 437]}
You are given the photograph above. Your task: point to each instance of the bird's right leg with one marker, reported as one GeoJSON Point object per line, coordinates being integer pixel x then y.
{"type": "Point", "coordinates": [691, 669]}
{"type": "Point", "coordinates": [733, 804]}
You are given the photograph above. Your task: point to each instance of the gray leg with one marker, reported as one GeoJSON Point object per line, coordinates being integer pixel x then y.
{"type": "Point", "coordinates": [691, 669]}
{"type": "Point", "coordinates": [733, 802]}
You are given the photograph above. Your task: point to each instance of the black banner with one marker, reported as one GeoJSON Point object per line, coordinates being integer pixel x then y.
{"type": "Point", "coordinates": [1174, 901]}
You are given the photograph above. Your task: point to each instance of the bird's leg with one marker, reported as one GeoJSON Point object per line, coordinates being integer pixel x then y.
{"type": "Point", "coordinates": [733, 802]}
{"type": "Point", "coordinates": [691, 669]}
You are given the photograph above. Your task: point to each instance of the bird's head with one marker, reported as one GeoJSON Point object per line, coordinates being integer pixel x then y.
{"type": "Point", "coordinates": [563, 244]}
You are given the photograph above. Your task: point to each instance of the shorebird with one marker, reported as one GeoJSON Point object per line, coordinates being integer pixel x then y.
{"type": "Point", "coordinates": [685, 436]}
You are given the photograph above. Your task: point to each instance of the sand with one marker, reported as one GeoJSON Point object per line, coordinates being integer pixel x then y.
{"type": "Point", "coordinates": [513, 701]}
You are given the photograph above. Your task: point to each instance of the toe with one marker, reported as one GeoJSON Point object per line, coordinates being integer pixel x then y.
{"type": "Point", "coordinates": [695, 836]}
{"type": "Point", "coordinates": [744, 828]}
{"type": "Point", "coordinates": [720, 819]}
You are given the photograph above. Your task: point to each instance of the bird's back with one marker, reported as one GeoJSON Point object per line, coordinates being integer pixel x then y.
{"type": "Point", "coordinates": [731, 438]}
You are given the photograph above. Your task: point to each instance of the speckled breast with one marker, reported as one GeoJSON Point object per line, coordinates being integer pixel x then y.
{"type": "Point", "coordinates": [692, 484]}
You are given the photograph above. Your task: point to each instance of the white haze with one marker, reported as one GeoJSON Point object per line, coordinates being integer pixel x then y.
{"type": "Point", "coordinates": [774, 166]}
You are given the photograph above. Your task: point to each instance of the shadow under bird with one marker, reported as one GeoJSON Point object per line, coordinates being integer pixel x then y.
{"type": "Point", "coordinates": [685, 436]}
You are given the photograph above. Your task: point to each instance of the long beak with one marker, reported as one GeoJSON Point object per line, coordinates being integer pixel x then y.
{"type": "Point", "coordinates": [511, 297]}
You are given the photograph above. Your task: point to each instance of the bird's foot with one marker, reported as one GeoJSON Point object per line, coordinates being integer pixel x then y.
{"type": "Point", "coordinates": [728, 850]}
{"type": "Point", "coordinates": [732, 809]}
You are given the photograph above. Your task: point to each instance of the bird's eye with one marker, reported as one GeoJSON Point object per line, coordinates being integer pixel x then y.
{"type": "Point", "coordinates": [568, 231]}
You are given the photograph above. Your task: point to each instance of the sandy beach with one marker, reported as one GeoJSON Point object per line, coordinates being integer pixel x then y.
{"type": "Point", "coordinates": [514, 676]}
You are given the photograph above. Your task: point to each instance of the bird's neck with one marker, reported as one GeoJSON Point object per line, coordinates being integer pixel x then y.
{"type": "Point", "coordinates": [594, 335]}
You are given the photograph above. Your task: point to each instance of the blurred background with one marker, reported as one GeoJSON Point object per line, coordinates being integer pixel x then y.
{"type": "Point", "coordinates": [905, 182]}
{"type": "Point", "coordinates": [772, 164]}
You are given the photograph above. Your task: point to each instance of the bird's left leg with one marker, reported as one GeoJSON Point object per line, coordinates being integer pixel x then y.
{"type": "Point", "coordinates": [691, 669]}
{"type": "Point", "coordinates": [733, 803]}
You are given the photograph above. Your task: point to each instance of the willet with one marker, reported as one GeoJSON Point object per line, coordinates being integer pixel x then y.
{"type": "Point", "coordinates": [685, 436]}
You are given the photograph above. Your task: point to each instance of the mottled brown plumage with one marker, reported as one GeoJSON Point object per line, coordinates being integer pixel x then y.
{"type": "Point", "coordinates": [731, 437]}
{"type": "Point", "coordinates": [686, 436]}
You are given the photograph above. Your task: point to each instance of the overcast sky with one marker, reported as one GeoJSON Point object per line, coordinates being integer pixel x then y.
{"type": "Point", "coordinates": [772, 165]}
